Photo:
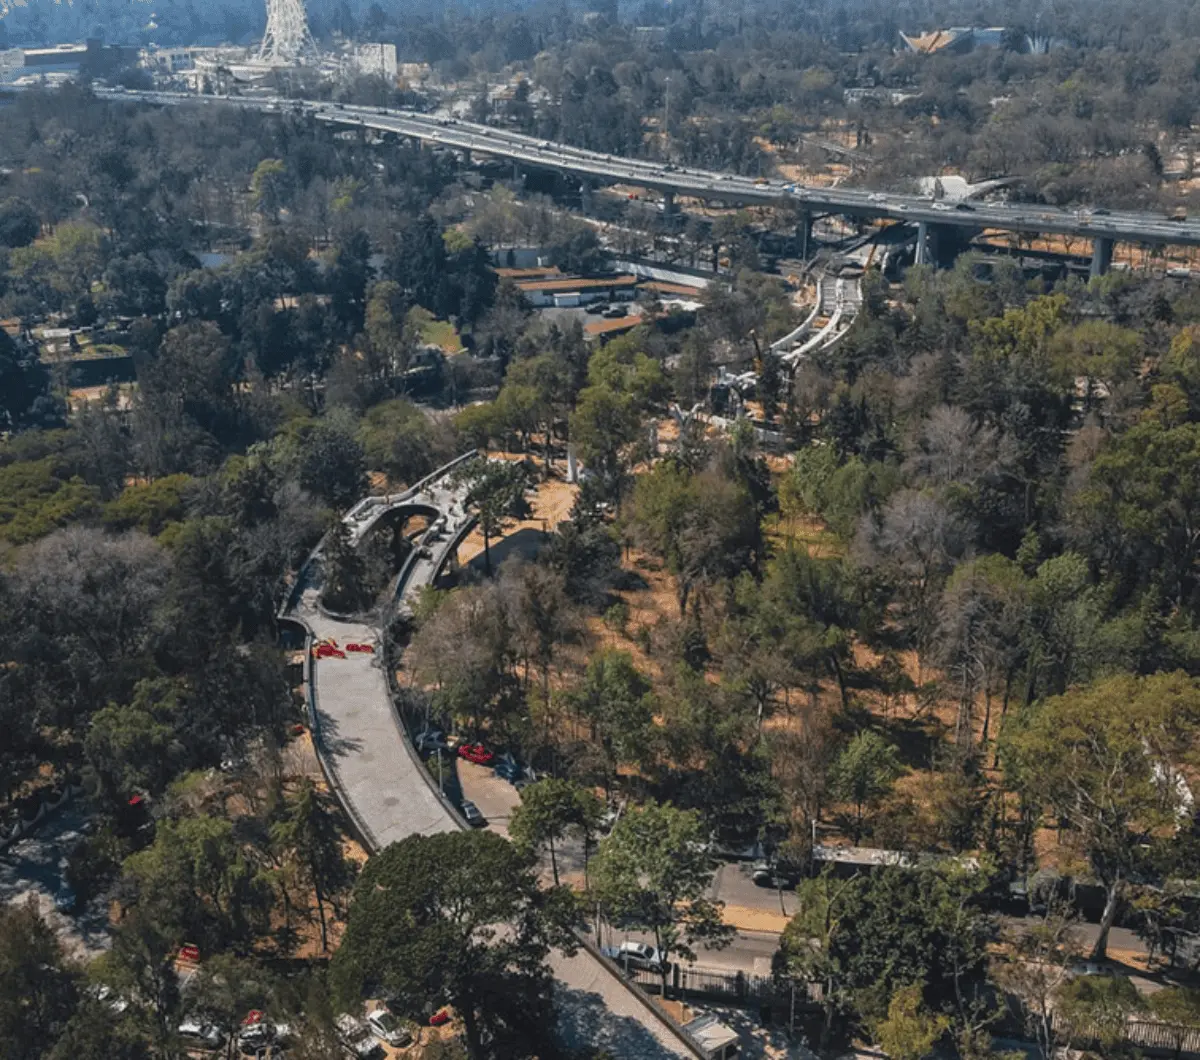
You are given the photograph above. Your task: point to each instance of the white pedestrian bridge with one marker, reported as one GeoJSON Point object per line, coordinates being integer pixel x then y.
{"type": "Point", "coordinates": [383, 785]}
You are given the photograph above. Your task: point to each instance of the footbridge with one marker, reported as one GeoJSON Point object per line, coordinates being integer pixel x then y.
{"type": "Point", "coordinates": [383, 785]}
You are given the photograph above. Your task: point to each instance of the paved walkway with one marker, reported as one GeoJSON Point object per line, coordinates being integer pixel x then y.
{"type": "Point", "coordinates": [385, 787]}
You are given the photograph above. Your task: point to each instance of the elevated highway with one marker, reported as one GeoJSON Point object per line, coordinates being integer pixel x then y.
{"type": "Point", "coordinates": [383, 784]}
{"type": "Point", "coordinates": [941, 225]}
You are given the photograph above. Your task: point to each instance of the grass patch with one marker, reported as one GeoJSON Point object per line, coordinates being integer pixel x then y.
{"type": "Point", "coordinates": [443, 334]}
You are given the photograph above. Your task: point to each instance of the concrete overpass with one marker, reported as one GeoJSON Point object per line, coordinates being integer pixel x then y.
{"type": "Point", "coordinates": [942, 226]}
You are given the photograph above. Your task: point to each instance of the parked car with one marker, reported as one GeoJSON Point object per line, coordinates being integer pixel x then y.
{"type": "Point", "coordinates": [1091, 970]}
{"type": "Point", "coordinates": [779, 877]}
{"type": "Point", "coordinates": [256, 1031]}
{"type": "Point", "coordinates": [429, 740]}
{"type": "Point", "coordinates": [107, 996]}
{"type": "Point", "coordinates": [203, 1034]}
{"type": "Point", "coordinates": [388, 1029]}
{"type": "Point", "coordinates": [477, 753]}
{"type": "Point", "coordinates": [356, 1036]}
{"type": "Point", "coordinates": [472, 814]}
{"type": "Point", "coordinates": [508, 768]}
{"type": "Point", "coordinates": [439, 1018]}
{"type": "Point", "coordinates": [637, 955]}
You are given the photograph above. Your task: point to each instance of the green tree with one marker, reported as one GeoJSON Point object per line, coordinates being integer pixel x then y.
{"type": "Point", "coordinates": [310, 833]}
{"type": "Point", "coordinates": [226, 988]}
{"type": "Point", "coordinates": [604, 423]}
{"type": "Point", "coordinates": [38, 991]}
{"type": "Point", "coordinates": [345, 569]}
{"type": "Point", "coordinates": [910, 1030]}
{"type": "Point", "coordinates": [866, 938]}
{"type": "Point", "coordinates": [386, 327]}
{"type": "Point", "coordinates": [549, 811]}
{"type": "Point", "coordinates": [95, 1032]}
{"type": "Point", "coordinates": [704, 527]}
{"type": "Point", "coordinates": [1043, 954]}
{"type": "Point", "coordinates": [1179, 1008]}
{"type": "Point", "coordinates": [25, 399]}
{"type": "Point", "coordinates": [1140, 506]}
{"type": "Point", "coordinates": [140, 968]}
{"type": "Point", "coordinates": [457, 919]}
{"type": "Point", "coordinates": [617, 698]}
{"type": "Point", "coordinates": [864, 773]}
{"type": "Point", "coordinates": [811, 948]}
{"type": "Point", "coordinates": [135, 745]}
{"type": "Point", "coordinates": [197, 884]}
{"type": "Point", "coordinates": [653, 872]}
{"type": "Point", "coordinates": [267, 186]}
{"type": "Point", "coordinates": [332, 465]}
{"type": "Point", "coordinates": [399, 439]}
{"type": "Point", "coordinates": [496, 490]}
{"type": "Point", "coordinates": [1105, 760]}
{"type": "Point", "coordinates": [1096, 1008]}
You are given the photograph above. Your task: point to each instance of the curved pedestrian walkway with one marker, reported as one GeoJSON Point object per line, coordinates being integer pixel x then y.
{"type": "Point", "coordinates": [383, 784]}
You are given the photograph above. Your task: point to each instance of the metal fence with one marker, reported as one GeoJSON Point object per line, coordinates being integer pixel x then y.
{"type": "Point", "coordinates": [719, 984]}
{"type": "Point", "coordinates": [1149, 1035]}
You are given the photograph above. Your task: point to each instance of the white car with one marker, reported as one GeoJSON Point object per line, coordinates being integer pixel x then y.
{"type": "Point", "coordinates": [388, 1029]}
{"type": "Point", "coordinates": [203, 1034]}
{"type": "Point", "coordinates": [107, 996]}
{"type": "Point", "coordinates": [638, 955]}
{"type": "Point", "coordinates": [356, 1037]}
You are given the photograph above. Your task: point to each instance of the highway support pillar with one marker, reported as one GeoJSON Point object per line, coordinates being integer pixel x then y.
{"type": "Point", "coordinates": [804, 231]}
{"type": "Point", "coordinates": [923, 256]}
{"type": "Point", "coordinates": [1102, 253]}
{"type": "Point", "coordinates": [670, 210]}
{"type": "Point", "coordinates": [937, 245]}
{"type": "Point", "coordinates": [585, 196]}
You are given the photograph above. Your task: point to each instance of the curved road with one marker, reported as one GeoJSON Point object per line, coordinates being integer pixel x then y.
{"type": "Point", "coordinates": [384, 785]}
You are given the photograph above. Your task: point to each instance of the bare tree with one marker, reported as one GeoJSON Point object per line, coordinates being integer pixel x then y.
{"type": "Point", "coordinates": [951, 448]}
{"type": "Point", "coordinates": [915, 542]}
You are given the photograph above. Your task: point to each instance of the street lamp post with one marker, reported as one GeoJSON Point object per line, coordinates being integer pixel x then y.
{"type": "Point", "coordinates": [667, 121]}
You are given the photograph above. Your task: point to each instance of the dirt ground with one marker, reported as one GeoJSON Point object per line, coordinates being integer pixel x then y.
{"type": "Point", "coordinates": [551, 502]}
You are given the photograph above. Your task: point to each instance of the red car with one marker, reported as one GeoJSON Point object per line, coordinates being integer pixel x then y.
{"type": "Point", "coordinates": [477, 753]}
{"type": "Point", "coordinates": [189, 952]}
{"type": "Point", "coordinates": [439, 1018]}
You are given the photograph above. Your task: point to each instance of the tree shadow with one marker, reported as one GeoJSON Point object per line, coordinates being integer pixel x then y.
{"type": "Point", "coordinates": [917, 740]}
{"type": "Point", "coordinates": [586, 1024]}
{"type": "Point", "coordinates": [332, 743]}
{"type": "Point", "coordinates": [526, 542]}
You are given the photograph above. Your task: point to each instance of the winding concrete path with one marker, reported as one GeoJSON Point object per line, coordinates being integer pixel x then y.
{"type": "Point", "coordinates": [382, 782]}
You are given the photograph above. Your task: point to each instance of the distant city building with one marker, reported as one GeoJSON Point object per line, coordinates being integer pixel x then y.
{"type": "Point", "coordinates": [167, 61]}
{"type": "Point", "coordinates": [892, 96]}
{"type": "Point", "coordinates": [376, 60]}
{"type": "Point", "coordinates": [414, 73]}
{"type": "Point", "coordinates": [65, 61]}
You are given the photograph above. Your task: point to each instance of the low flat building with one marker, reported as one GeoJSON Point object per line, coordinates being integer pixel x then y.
{"type": "Point", "coordinates": [574, 291]}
